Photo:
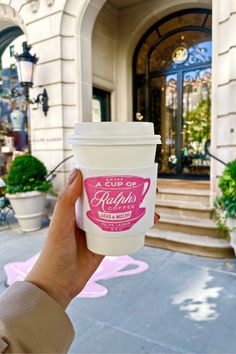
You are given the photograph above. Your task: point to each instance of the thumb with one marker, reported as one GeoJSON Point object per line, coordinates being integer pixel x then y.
{"type": "Point", "coordinates": [73, 190]}
{"type": "Point", "coordinates": [64, 212]}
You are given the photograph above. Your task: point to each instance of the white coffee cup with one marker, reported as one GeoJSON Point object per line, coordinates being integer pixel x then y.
{"type": "Point", "coordinates": [118, 201]}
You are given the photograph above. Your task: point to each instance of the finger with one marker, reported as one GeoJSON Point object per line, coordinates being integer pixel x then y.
{"type": "Point", "coordinates": [72, 176]}
{"type": "Point", "coordinates": [156, 218]}
{"type": "Point", "coordinates": [71, 192]}
{"type": "Point", "coordinates": [64, 212]}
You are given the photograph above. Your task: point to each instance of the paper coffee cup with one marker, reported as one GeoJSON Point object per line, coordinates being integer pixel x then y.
{"type": "Point", "coordinates": [118, 201]}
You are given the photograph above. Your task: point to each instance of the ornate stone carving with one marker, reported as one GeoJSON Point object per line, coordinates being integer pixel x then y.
{"type": "Point", "coordinates": [50, 2]}
{"type": "Point", "coordinates": [34, 5]}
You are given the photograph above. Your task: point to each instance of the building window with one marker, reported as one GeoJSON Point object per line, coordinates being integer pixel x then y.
{"type": "Point", "coordinates": [12, 50]}
{"type": "Point", "coordinates": [101, 106]}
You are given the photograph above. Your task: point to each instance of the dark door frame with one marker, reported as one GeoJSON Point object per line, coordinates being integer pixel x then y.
{"type": "Point", "coordinates": [180, 74]}
{"type": "Point", "coordinates": [145, 78]}
{"type": "Point", "coordinates": [105, 100]}
{"type": "Point", "coordinates": [7, 36]}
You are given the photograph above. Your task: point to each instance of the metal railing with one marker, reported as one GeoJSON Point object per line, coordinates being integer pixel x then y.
{"type": "Point", "coordinates": [207, 152]}
{"type": "Point", "coordinates": [52, 173]}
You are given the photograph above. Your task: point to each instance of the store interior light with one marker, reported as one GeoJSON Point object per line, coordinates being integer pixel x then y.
{"type": "Point", "coordinates": [25, 64]}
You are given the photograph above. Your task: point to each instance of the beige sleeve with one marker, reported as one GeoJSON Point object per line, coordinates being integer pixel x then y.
{"type": "Point", "coordinates": [32, 322]}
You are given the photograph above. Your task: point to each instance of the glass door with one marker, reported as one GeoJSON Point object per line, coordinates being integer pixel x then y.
{"type": "Point", "coordinates": [164, 103]}
{"type": "Point", "coordinates": [180, 110]}
{"type": "Point", "coordinates": [196, 121]}
{"type": "Point", "coordinates": [172, 84]}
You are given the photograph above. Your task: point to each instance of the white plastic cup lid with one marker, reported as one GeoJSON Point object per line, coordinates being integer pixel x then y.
{"type": "Point", "coordinates": [114, 133]}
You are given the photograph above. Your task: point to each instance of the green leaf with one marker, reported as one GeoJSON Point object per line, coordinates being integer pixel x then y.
{"type": "Point", "coordinates": [27, 173]}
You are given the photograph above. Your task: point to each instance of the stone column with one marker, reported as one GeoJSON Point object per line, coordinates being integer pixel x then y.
{"type": "Point", "coordinates": [55, 71]}
{"type": "Point", "coordinates": [223, 136]}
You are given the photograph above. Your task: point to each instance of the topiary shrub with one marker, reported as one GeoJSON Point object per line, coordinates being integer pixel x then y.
{"type": "Point", "coordinates": [27, 173]}
{"type": "Point", "coordinates": [227, 182]}
{"type": "Point", "coordinates": [225, 205]}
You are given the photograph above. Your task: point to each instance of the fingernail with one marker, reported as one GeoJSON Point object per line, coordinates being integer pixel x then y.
{"type": "Point", "coordinates": [72, 176]}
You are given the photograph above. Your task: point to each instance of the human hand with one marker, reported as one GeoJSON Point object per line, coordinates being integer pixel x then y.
{"type": "Point", "coordinates": [65, 263]}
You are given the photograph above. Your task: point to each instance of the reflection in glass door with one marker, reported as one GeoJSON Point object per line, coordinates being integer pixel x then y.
{"type": "Point", "coordinates": [196, 123]}
{"type": "Point", "coordinates": [164, 105]}
{"type": "Point", "coordinates": [180, 109]}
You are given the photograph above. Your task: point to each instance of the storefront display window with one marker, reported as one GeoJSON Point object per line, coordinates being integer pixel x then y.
{"type": "Point", "coordinates": [14, 113]}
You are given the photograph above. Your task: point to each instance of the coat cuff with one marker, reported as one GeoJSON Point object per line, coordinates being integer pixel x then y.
{"type": "Point", "coordinates": [32, 321]}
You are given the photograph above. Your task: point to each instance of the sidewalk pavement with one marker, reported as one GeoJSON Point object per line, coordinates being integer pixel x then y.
{"type": "Point", "coordinates": [181, 304]}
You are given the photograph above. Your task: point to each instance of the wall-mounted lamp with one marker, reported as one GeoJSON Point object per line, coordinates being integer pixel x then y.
{"type": "Point", "coordinates": [25, 64]}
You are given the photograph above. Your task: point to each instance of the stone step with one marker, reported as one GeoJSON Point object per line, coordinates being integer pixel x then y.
{"type": "Point", "coordinates": [182, 183]}
{"type": "Point", "coordinates": [192, 244]}
{"type": "Point", "coordinates": [187, 224]}
{"type": "Point", "coordinates": [199, 195]}
{"type": "Point", "coordinates": [185, 208]}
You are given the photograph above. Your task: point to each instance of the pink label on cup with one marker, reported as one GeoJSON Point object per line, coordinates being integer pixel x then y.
{"type": "Point", "coordinates": [115, 201]}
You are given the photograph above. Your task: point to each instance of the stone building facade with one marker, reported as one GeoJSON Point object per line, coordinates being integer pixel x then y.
{"type": "Point", "coordinates": [83, 44]}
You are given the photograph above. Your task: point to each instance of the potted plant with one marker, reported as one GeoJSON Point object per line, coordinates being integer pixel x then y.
{"type": "Point", "coordinates": [26, 188]}
{"type": "Point", "coordinates": [225, 205]}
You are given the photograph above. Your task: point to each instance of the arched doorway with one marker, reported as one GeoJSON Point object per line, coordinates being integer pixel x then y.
{"type": "Point", "coordinates": [172, 89]}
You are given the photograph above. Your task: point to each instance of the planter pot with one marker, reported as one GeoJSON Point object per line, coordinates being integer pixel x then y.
{"type": "Point", "coordinates": [231, 224]}
{"type": "Point", "coordinates": [29, 209]}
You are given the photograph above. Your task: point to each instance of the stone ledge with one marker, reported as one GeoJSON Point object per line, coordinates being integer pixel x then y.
{"type": "Point", "coordinates": [187, 224]}
{"type": "Point", "coordinates": [185, 191]}
{"type": "Point", "coordinates": [191, 244]}
{"type": "Point", "coordinates": [181, 237]}
{"type": "Point", "coordinates": [183, 204]}
{"type": "Point", "coordinates": [186, 184]}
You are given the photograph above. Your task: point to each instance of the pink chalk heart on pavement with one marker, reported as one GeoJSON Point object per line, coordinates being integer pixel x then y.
{"type": "Point", "coordinates": [111, 267]}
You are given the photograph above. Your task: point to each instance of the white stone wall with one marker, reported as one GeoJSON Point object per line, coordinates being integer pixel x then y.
{"type": "Point", "coordinates": [57, 31]}
{"type": "Point", "coordinates": [224, 87]}
{"type": "Point", "coordinates": [104, 52]}
{"type": "Point", "coordinates": [55, 71]}
{"type": "Point", "coordinates": [45, 24]}
{"type": "Point", "coordinates": [131, 23]}
{"type": "Point", "coordinates": [104, 44]}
